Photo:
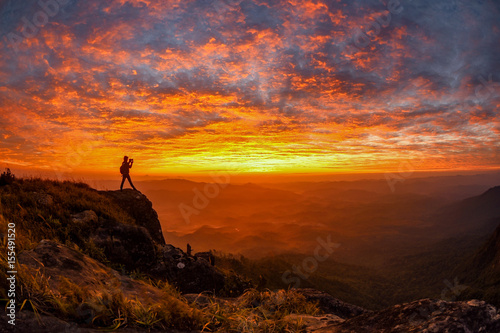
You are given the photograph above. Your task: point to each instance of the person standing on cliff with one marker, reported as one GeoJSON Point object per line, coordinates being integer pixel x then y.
{"type": "Point", "coordinates": [125, 171]}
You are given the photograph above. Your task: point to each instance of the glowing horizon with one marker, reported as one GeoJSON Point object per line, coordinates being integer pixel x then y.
{"type": "Point", "coordinates": [285, 87]}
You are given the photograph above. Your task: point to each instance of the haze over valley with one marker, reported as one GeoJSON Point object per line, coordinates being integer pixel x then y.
{"type": "Point", "coordinates": [371, 222]}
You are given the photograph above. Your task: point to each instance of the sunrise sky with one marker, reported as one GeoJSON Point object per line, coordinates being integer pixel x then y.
{"type": "Point", "coordinates": [192, 86]}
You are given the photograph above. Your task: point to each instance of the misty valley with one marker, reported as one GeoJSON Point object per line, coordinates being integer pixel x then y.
{"type": "Point", "coordinates": [388, 245]}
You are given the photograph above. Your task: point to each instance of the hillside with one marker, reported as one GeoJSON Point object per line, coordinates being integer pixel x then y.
{"type": "Point", "coordinates": [478, 214]}
{"type": "Point", "coordinates": [481, 272]}
{"type": "Point", "coordinates": [91, 259]}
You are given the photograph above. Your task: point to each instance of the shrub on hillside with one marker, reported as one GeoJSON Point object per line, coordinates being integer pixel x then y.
{"type": "Point", "coordinates": [7, 177]}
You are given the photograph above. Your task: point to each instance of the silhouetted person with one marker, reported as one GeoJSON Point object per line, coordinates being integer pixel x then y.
{"type": "Point", "coordinates": [189, 249]}
{"type": "Point", "coordinates": [125, 171]}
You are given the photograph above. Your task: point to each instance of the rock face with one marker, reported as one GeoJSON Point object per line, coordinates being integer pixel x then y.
{"type": "Point", "coordinates": [128, 245]}
{"type": "Point", "coordinates": [426, 316]}
{"type": "Point", "coordinates": [142, 247]}
{"type": "Point", "coordinates": [138, 206]}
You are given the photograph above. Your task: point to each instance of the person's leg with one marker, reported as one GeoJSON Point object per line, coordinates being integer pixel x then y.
{"type": "Point", "coordinates": [123, 181]}
{"type": "Point", "coordinates": [130, 181]}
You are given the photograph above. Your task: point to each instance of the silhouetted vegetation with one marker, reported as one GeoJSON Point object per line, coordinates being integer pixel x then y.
{"type": "Point", "coordinates": [7, 177]}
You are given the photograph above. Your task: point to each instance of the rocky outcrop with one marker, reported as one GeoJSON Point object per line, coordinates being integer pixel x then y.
{"type": "Point", "coordinates": [329, 304]}
{"type": "Point", "coordinates": [189, 274]}
{"type": "Point", "coordinates": [138, 245]}
{"type": "Point", "coordinates": [426, 316]}
{"type": "Point", "coordinates": [138, 206]}
{"type": "Point", "coordinates": [62, 265]}
{"type": "Point", "coordinates": [132, 247]}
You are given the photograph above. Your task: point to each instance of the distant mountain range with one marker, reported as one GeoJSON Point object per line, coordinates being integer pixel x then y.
{"type": "Point", "coordinates": [366, 217]}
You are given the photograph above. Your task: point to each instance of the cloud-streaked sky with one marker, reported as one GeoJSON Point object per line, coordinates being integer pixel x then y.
{"type": "Point", "coordinates": [255, 85]}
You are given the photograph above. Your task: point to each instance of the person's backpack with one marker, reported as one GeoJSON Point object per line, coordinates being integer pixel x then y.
{"type": "Point", "coordinates": [124, 168]}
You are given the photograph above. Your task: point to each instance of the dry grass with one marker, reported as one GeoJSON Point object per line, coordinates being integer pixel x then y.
{"type": "Point", "coordinates": [257, 311]}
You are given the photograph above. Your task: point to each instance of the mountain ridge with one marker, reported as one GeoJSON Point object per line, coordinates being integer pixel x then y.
{"type": "Point", "coordinates": [72, 225]}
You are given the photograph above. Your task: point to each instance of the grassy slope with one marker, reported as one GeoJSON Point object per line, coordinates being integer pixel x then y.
{"type": "Point", "coordinates": [22, 202]}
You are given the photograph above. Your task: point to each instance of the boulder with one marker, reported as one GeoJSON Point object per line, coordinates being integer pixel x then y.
{"type": "Point", "coordinates": [43, 198]}
{"type": "Point", "coordinates": [85, 217]}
